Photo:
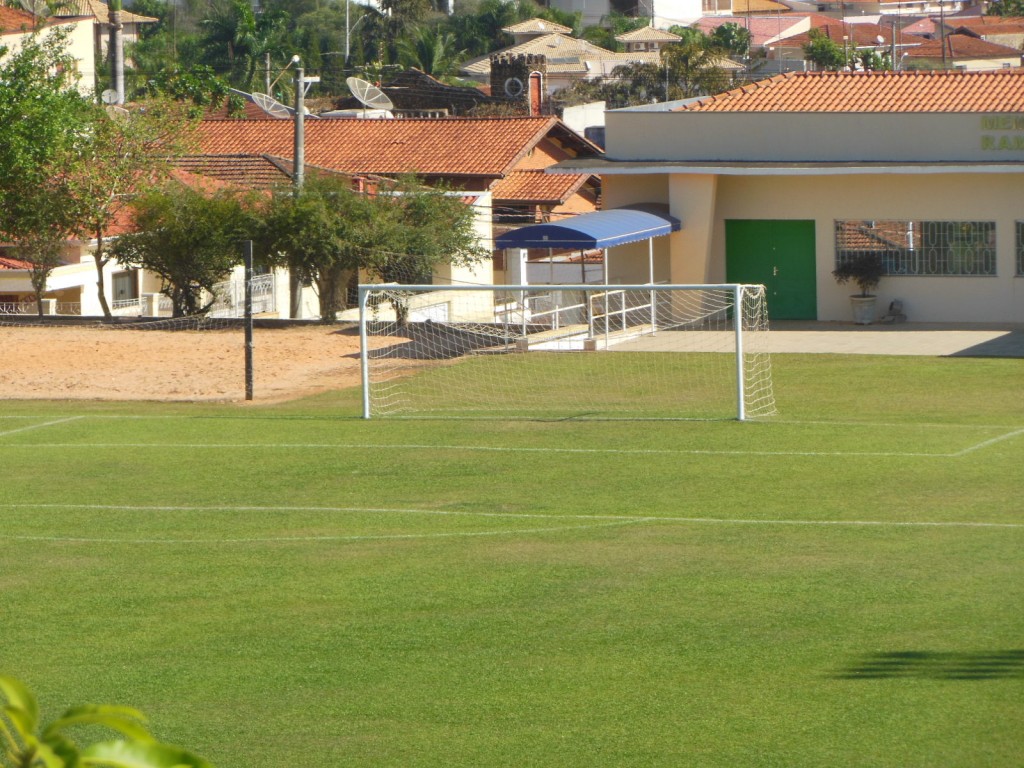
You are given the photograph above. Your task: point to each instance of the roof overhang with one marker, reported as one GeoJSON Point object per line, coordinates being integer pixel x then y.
{"type": "Point", "coordinates": [601, 229]}
{"type": "Point", "coordinates": [604, 167]}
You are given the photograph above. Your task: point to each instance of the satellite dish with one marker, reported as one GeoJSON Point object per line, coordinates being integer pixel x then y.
{"type": "Point", "coordinates": [271, 106]}
{"type": "Point", "coordinates": [109, 96]}
{"type": "Point", "coordinates": [368, 94]}
{"type": "Point", "coordinates": [36, 7]}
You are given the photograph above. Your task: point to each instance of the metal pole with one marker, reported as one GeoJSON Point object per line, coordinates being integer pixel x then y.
{"type": "Point", "coordinates": [741, 411]}
{"type": "Point", "coordinates": [247, 259]}
{"type": "Point", "coordinates": [117, 49]}
{"type": "Point", "coordinates": [364, 355]}
{"type": "Point", "coordinates": [300, 128]}
{"type": "Point", "coordinates": [298, 176]}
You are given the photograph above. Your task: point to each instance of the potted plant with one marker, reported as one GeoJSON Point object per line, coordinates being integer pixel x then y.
{"type": "Point", "coordinates": [866, 270]}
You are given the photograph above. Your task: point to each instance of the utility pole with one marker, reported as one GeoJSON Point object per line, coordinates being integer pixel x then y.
{"type": "Point", "coordinates": [116, 49]}
{"type": "Point", "coordinates": [300, 128]}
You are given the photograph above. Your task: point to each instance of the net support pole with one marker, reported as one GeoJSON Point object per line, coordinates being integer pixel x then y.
{"type": "Point", "coordinates": [650, 279]}
{"type": "Point", "coordinates": [737, 312]}
{"type": "Point", "coordinates": [364, 351]}
{"type": "Point", "coordinates": [247, 260]}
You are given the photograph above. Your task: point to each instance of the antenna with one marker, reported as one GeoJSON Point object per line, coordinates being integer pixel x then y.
{"type": "Point", "coordinates": [369, 94]}
{"type": "Point", "coordinates": [36, 7]}
{"type": "Point", "coordinates": [271, 106]}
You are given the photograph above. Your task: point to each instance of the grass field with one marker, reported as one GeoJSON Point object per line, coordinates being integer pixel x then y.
{"type": "Point", "coordinates": [289, 585]}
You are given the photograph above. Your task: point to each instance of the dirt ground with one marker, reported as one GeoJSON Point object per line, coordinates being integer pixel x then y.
{"type": "Point", "coordinates": [92, 363]}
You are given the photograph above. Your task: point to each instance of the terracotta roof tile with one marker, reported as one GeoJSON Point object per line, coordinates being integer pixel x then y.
{"type": "Point", "coordinates": [962, 47]}
{"type": "Point", "coordinates": [564, 54]}
{"type": "Point", "coordinates": [935, 91]}
{"type": "Point", "coordinates": [648, 35]}
{"type": "Point", "coordinates": [475, 147]}
{"type": "Point", "coordinates": [259, 171]}
{"type": "Point", "coordinates": [991, 25]}
{"type": "Point", "coordinates": [537, 27]}
{"type": "Point", "coordinates": [12, 19]}
{"type": "Point", "coordinates": [100, 10]}
{"type": "Point", "coordinates": [758, 6]}
{"type": "Point", "coordinates": [535, 186]}
{"type": "Point", "coordinates": [8, 263]}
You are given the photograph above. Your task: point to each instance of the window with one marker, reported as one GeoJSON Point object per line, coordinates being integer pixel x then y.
{"type": "Point", "coordinates": [1020, 248]}
{"type": "Point", "coordinates": [923, 248]}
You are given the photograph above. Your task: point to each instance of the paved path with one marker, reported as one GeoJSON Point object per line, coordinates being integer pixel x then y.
{"type": "Point", "coordinates": [932, 339]}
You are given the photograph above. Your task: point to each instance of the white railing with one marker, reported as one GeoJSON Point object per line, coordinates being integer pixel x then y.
{"type": "Point", "coordinates": [127, 307]}
{"type": "Point", "coordinates": [231, 297]}
{"type": "Point", "coordinates": [17, 308]}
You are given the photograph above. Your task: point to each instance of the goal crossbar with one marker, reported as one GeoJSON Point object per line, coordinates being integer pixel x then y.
{"type": "Point", "coordinates": [419, 332]}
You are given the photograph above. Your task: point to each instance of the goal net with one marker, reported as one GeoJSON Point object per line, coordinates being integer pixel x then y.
{"type": "Point", "coordinates": [565, 351]}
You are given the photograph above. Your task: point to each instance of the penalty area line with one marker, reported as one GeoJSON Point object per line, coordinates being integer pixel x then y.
{"type": "Point", "coordinates": [987, 443]}
{"type": "Point", "coordinates": [489, 449]}
{"type": "Point", "coordinates": [40, 426]}
{"type": "Point", "coordinates": [610, 519]}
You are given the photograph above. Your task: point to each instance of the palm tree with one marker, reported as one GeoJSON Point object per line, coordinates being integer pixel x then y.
{"type": "Point", "coordinates": [431, 51]}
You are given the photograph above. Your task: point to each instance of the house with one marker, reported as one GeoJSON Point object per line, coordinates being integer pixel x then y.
{"type": "Point", "coordinates": [555, 60]}
{"type": "Point", "coordinates": [663, 13]}
{"type": "Point", "coordinates": [99, 14]}
{"type": "Point", "coordinates": [1008, 31]}
{"type": "Point", "coordinates": [861, 37]}
{"type": "Point", "coordinates": [647, 39]}
{"type": "Point", "coordinates": [496, 164]}
{"type": "Point", "coordinates": [17, 26]}
{"type": "Point", "coordinates": [964, 52]}
{"type": "Point", "coordinates": [769, 180]}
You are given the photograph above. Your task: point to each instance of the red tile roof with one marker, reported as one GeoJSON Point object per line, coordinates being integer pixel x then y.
{"type": "Point", "coordinates": [261, 172]}
{"type": "Point", "coordinates": [860, 35]}
{"type": "Point", "coordinates": [991, 25]}
{"type": "Point", "coordinates": [12, 19]}
{"type": "Point", "coordinates": [8, 263]}
{"type": "Point", "coordinates": [962, 47]}
{"type": "Point", "coordinates": [535, 186]}
{"type": "Point", "coordinates": [456, 147]}
{"type": "Point", "coordinates": [935, 91]}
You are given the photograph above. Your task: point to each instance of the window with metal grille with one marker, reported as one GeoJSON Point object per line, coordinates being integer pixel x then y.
{"type": "Point", "coordinates": [923, 248]}
{"type": "Point", "coordinates": [1020, 248]}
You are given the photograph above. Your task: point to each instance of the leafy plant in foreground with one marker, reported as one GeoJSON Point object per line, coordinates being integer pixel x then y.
{"type": "Point", "coordinates": [27, 743]}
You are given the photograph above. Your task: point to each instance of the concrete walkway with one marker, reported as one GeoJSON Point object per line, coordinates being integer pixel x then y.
{"type": "Point", "coordinates": [930, 339]}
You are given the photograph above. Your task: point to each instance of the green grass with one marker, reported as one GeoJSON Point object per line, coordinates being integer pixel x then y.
{"type": "Point", "coordinates": [292, 585]}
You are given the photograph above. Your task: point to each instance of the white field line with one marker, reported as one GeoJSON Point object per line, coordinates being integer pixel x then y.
{"type": "Point", "coordinates": [993, 441]}
{"type": "Point", "coordinates": [40, 426]}
{"type": "Point", "coordinates": [596, 521]}
{"type": "Point", "coordinates": [484, 448]}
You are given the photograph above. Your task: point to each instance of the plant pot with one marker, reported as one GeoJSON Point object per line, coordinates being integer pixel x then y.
{"type": "Point", "coordinates": [863, 309]}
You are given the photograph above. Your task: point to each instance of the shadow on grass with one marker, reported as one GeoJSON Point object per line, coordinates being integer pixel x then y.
{"type": "Point", "coordinates": [931, 665]}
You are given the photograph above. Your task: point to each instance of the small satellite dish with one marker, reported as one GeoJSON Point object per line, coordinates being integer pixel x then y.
{"type": "Point", "coordinates": [109, 96]}
{"type": "Point", "coordinates": [36, 7]}
{"type": "Point", "coordinates": [368, 94]}
{"type": "Point", "coordinates": [271, 106]}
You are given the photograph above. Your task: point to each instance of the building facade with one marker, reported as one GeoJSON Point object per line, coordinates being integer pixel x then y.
{"type": "Point", "coordinates": [782, 180]}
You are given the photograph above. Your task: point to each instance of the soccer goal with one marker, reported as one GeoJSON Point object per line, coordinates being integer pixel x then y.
{"type": "Point", "coordinates": [565, 351]}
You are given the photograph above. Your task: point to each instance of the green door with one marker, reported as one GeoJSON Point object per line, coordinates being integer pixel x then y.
{"type": "Point", "coordinates": [780, 255]}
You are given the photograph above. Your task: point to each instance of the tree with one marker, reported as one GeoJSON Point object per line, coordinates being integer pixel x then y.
{"type": "Point", "coordinates": [732, 38]}
{"type": "Point", "coordinates": [320, 234]}
{"type": "Point", "coordinates": [692, 69]}
{"type": "Point", "coordinates": [1005, 8]}
{"type": "Point", "coordinates": [237, 39]}
{"type": "Point", "coordinates": [29, 744]}
{"type": "Point", "coordinates": [190, 239]}
{"type": "Point", "coordinates": [44, 124]}
{"type": "Point", "coordinates": [824, 52]}
{"type": "Point", "coordinates": [431, 51]}
{"type": "Point", "coordinates": [327, 232]}
{"type": "Point", "coordinates": [125, 156]}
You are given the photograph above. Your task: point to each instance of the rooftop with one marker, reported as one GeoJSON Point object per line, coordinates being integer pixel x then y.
{"type": "Point", "coordinates": [536, 186]}
{"type": "Point", "coordinates": [648, 35]}
{"type": "Point", "coordinates": [100, 10]}
{"type": "Point", "coordinates": [537, 27]}
{"type": "Point", "coordinates": [451, 147]}
{"type": "Point", "coordinates": [962, 47]}
{"type": "Point", "coordinates": [935, 91]}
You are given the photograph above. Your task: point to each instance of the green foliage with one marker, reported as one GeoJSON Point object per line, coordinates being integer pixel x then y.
{"type": "Point", "coordinates": [44, 124]}
{"type": "Point", "coordinates": [864, 269]}
{"type": "Point", "coordinates": [188, 238]}
{"type": "Point", "coordinates": [824, 52]}
{"type": "Point", "coordinates": [693, 69]}
{"type": "Point", "coordinates": [613, 24]}
{"type": "Point", "coordinates": [236, 40]}
{"type": "Point", "coordinates": [328, 232]}
{"type": "Point", "coordinates": [198, 85]}
{"type": "Point", "coordinates": [732, 38]}
{"type": "Point", "coordinates": [1012, 8]}
{"type": "Point", "coordinates": [431, 51]}
{"type": "Point", "coordinates": [30, 744]}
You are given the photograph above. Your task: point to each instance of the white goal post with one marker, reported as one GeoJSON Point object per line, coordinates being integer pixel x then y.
{"type": "Point", "coordinates": [565, 351]}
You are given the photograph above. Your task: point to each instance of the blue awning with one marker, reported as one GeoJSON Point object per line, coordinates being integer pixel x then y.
{"type": "Point", "coordinates": [601, 229]}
